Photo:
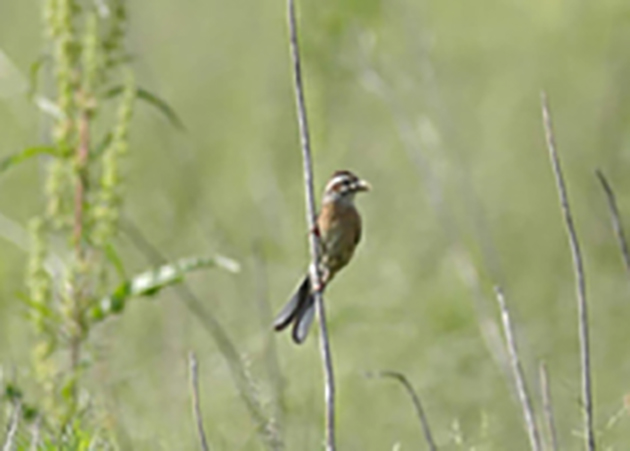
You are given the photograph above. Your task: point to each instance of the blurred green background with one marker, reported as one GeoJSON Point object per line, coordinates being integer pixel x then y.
{"type": "Point", "coordinates": [436, 103]}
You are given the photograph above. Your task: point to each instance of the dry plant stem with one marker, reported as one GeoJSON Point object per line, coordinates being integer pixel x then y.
{"type": "Point", "coordinates": [547, 406]}
{"type": "Point", "coordinates": [585, 357]}
{"type": "Point", "coordinates": [424, 421]}
{"type": "Point", "coordinates": [616, 220]}
{"type": "Point", "coordinates": [194, 388]}
{"type": "Point", "coordinates": [311, 215]}
{"type": "Point", "coordinates": [9, 443]}
{"type": "Point", "coordinates": [517, 371]}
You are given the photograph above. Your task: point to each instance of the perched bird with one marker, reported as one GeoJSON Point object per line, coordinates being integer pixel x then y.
{"type": "Point", "coordinates": [339, 230]}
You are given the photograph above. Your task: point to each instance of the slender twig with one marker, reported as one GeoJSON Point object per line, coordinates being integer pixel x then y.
{"type": "Point", "coordinates": [585, 357]}
{"type": "Point", "coordinates": [194, 389]}
{"type": "Point", "coordinates": [548, 406]}
{"type": "Point", "coordinates": [9, 442]}
{"type": "Point", "coordinates": [424, 421]}
{"type": "Point", "coordinates": [517, 371]}
{"type": "Point", "coordinates": [313, 240]}
{"type": "Point", "coordinates": [616, 220]}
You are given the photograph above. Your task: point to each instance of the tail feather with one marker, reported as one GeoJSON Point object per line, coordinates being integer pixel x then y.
{"type": "Point", "coordinates": [294, 308]}
{"type": "Point", "coordinates": [303, 320]}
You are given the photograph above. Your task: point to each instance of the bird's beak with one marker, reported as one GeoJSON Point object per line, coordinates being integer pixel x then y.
{"type": "Point", "coordinates": [362, 185]}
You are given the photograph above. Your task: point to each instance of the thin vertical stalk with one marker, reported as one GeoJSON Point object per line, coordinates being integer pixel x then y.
{"type": "Point", "coordinates": [548, 406]}
{"type": "Point", "coordinates": [517, 370]}
{"type": "Point", "coordinates": [12, 429]}
{"type": "Point", "coordinates": [329, 391]}
{"type": "Point", "coordinates": [194, 388]}
{"type": "Point", "coordinates": [585, 356]}
{"type": "Point", "coordinates": [615, 218]}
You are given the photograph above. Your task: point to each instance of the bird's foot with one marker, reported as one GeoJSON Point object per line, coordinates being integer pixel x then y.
{"type": "Point", "coordinates": [319, 287]}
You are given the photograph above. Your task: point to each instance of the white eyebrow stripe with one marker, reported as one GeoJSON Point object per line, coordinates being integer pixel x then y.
{"type": "Point", "coordinates": [337, 179]}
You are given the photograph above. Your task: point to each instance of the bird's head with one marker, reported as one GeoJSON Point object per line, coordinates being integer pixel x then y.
{"type": "Point", "coordinates": [343, 185]}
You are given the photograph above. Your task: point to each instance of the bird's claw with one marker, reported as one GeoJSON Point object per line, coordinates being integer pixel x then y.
{"type": "Point", "coordinates": [318, 287]}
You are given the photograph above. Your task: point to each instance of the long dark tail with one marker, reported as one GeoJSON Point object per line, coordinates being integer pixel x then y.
{"type": "Point", "coordinates": [300, 311]}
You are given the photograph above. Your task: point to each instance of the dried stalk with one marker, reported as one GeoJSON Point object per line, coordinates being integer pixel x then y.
{"type": "Point", "coordinates": [547, 406]}
{"type": "Point", "coordinates": [329, 392]}
{"type": "Point", "coordinates": [585, 356]}
{"type": "Point", "coordinates": [517, 371]}
{"type": "Point", "coordinates": [616, 220]}
{"type": "Point", "coordinates": [9, 442]}
{"type": "Point", "coordinates": [194, 389]}
{"type": "Point", "coordinates": [424, 421]}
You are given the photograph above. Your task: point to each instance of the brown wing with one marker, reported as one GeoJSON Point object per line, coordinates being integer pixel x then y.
{"type": "Point", "coordinates": [340, 228]}
{"type": "Point", "coordinates": [357, 235]}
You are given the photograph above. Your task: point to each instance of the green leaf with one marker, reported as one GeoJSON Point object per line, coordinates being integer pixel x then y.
{"type": "Point", "coordinates": [151, 282]}
{"type": "Point", "coordinates": [24, 155]}
{"type": "Point", "coordinates": [154, 101]}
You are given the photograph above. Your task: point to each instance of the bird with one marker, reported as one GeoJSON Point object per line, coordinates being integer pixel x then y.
{"type": "Point", "coordinates": [338, 228]}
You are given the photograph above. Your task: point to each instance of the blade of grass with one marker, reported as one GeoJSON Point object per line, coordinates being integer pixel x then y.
{"type": "Point", "coordinates": [153, 100]}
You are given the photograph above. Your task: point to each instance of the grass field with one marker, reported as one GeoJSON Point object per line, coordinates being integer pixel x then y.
{"type": "Point", "coordinates": [437, 104]}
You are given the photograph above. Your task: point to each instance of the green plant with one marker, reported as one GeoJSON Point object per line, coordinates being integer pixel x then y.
{"type": "Point", "coordinates": [83, 193]}
{"type": "Point", "coordinates": [75, 278]}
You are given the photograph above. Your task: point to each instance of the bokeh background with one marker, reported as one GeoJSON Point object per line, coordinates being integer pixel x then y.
{"type": "Point", "coordinates": [437, 104]}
